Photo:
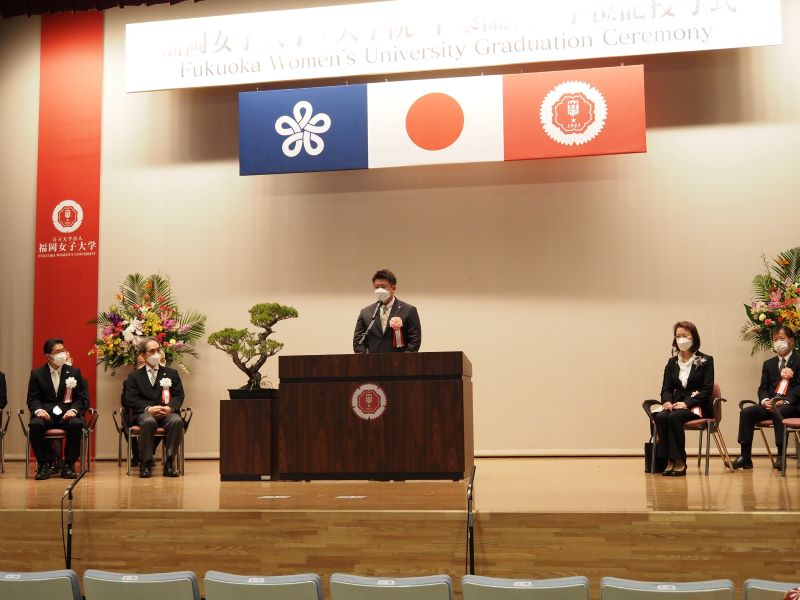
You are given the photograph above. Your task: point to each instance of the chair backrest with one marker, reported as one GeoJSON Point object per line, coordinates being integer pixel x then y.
{"type": "Point", "coordinates": [763, 589]}
{"type": "Point", "coordinates": [476, 587]}
{"type": "Point", "coordinates": [716, 398]}
{"type": "Point", "coordinates": [180, 585]}
{"type": "Point", "coordinates": [614, 588]}
{"type": "Point", "coordinates": [225, 586]}
{"type": "Point", "coordinates": [353, 587]}
{"type": "Point", "coordinates": [53, 585]}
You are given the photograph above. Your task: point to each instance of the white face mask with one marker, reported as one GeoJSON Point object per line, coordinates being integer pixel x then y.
{"type": "Point", "coordinates": [684, 343]}
{"type": "Point", "coordinates": [780, 346]}
{"type": "Point", "coordinates": [154, 359]}
{"type": "Point", "coordinates": [381, 294]}
{"type": "Point", "coordinates": [59, 359]}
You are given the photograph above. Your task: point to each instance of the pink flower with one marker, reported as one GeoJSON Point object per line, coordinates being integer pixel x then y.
{"type": "Point", "coordinates": [396, 323]}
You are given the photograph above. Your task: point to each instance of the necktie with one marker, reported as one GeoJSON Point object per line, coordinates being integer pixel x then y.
{"type": "Point", "coordinates": [151, 373]}
{"type": "Point", "coordinates": [782, 364]}
{"type": "Point", "coordinates": [56, 376]}
{"type": "Point", "coordinates": [384, 317]}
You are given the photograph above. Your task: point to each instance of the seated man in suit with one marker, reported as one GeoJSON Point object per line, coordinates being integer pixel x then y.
{"type": "Point", "coordinates": [57, 398]}
{"type": "Point", "coordinates": [783, 367]}
{"type": "Point", "coordinates": [155, 395]}
{"type": "Point", "coordinates": [126, 414]}
{"type": "Point", "coordinates": [388, 325]}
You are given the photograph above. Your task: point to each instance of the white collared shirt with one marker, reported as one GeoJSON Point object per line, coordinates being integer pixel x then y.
{"type": "Point", "coordinates": [684, 367]}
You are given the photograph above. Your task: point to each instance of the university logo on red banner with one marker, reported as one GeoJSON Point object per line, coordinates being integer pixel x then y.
{"type": "Point", "coordinates": [574, 113]}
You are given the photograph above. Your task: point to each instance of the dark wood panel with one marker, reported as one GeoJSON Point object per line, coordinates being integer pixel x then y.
{"type": "Point", "coordinates": [246, 440]}
{"type": "Point", "coordinates": [348, 366]}
{"type": "Point", "coordinates": [425, 430]}
{"type": "Point", "coordinates": [421, 430]}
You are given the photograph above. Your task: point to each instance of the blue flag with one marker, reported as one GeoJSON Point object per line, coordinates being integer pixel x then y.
{"type": "Point", "coordinates": [311, 129]}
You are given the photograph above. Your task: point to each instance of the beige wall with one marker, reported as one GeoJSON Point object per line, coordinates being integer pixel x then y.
{"type": "Point", "coordinates": [560, 279]}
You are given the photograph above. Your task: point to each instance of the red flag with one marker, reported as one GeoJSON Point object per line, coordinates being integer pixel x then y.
{"type": "Point", "coordinates": [574, 113]}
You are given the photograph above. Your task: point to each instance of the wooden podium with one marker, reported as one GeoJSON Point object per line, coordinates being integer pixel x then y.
{"type": "Point", "coordinates": [375, 416]}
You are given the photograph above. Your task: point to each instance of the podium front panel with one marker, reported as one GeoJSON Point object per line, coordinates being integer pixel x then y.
{"type": "Point", "coordinates": [392, 426]}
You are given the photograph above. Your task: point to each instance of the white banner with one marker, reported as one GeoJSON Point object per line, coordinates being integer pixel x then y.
{"type": "Point", "coordinates": [404, 36]}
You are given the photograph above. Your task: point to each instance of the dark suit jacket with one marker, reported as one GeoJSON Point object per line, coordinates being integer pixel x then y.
{"type": "Point", "coordinates": [381, 341]}
{"type": "Point", "coordinates": [770, 378]}
{"type": "Point", "coordinates": [701, 379]}
{"type": "Point", "coordinates": [139, 394]}
{"type": "Point", "coordinates": [3, 391]}
{"type": "Point", "coordinates": [42, 396]}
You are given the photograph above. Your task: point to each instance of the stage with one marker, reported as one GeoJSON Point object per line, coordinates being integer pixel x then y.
{"type": "Point", "coordinates": [535, 517]}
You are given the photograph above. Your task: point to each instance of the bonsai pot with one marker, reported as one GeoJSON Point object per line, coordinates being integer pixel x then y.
{"type": "Point", "coordinates": [265, 393]}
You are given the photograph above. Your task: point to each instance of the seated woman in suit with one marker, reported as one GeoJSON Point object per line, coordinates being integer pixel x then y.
{"type": "Point", "coordinates": [685, 395]}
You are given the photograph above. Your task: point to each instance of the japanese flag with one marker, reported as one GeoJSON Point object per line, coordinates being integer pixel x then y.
{"type": "Point", "coordinates": [435, 121]}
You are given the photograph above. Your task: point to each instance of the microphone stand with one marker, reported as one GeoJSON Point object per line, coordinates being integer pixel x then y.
{"type": "Point", "coordinates": [371, 321]}
{"type": "Point", "coordinates": [470, 525]}
{"type": "Point", "coordinates": [68, 495]}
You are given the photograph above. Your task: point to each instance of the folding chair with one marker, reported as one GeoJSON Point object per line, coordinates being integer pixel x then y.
{"type": "Point", "coordinates": [134, 431]}
{"type": "Point", "coordinates": [353, 587]}
{"type": "Point", "coordinates": [790, 425]}
{"type": "Point", "coordinates": [763, 589]}
{"type": "Point", "coordinates": [53, 585]}
{"type": "Point", "coordinates": [614, 588]}
{"type": "Point", "coordinates": [709, 426]}
{"type": "Point", "coordinates": [475, 587]}
{"type": "Point", "coordinates": [761, 426]}
{"type": "Point", "coordinates": [89, 421]}
{"type": "Point", "coordinates": [102, 585]}
{"type": "Point", "coordinates": [226, 586]}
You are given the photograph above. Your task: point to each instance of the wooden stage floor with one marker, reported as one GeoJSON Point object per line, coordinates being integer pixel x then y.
{"type": "Point", "coordinates": [535, 517]}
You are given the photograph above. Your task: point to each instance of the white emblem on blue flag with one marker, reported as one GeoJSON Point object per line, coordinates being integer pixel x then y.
{"type": "Point", "coordinates": [302, 131]}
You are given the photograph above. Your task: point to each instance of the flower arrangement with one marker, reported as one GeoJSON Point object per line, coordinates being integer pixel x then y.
{"type": "Point", "coordinates": [145, 308]}
{"type": "Point", "coordinates": [775, 300]}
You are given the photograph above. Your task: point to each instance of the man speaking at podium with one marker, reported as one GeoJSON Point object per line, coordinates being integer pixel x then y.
{"type": "Point", "coordinates": [388, 324]}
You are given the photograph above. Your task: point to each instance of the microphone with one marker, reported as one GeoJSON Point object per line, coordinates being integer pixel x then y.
{"type": "Point", "coordinates": [68, 491]}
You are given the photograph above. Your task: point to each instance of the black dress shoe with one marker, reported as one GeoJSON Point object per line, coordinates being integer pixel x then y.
{"type": "Point", "coordinates": [68, 473]}
{"type": "Point", "coordinates": [145, 471]}
{"type": "Point", "coordinates": [778, 466]}
{"type": "Point", "coordinates": [53, 468]}
{"type": "Point", "coordinates": [676, 473]}
{"type": "Point", "coordinates": [42, 472]}
{"type": "Point", "coordinates": [135, 461]}
{"type": "Point", "coordinates": [742, 463]}
{"type": "Point", "coordinates": [667, 473]}
{"type": "Point", "coordinates": [170, 470]}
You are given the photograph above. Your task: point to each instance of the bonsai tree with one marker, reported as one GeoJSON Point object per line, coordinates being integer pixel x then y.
{"type": "Point", "coordinates": [250, 350]}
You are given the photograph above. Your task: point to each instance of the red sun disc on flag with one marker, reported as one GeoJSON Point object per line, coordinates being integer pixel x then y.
{"type": "Point", "coordinates": [434, 121]}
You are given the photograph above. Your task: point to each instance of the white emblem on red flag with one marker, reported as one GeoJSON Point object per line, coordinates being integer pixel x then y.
{"type": "Point", "coordinates": [573, 113]}
{"type": "Point", "coordinates": [67, 216]}
{"type": "Point", "coordinates": [368, 401]}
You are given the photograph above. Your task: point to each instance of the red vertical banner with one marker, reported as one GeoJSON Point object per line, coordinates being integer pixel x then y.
{"type": "Point", "coordinates": [68, 186]}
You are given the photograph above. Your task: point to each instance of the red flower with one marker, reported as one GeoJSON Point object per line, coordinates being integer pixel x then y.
{"type": "Point", "coordinates": [768, 322]}
{"type": "Point", "coordinates": [160, 336]}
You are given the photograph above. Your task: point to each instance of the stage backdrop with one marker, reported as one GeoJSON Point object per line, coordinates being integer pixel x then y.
{"type": "Point", "coordinates": [560, 279]}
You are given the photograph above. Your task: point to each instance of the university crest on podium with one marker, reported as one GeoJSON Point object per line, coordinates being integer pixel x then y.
{"type": "Point", "coordinates": [368, 401]}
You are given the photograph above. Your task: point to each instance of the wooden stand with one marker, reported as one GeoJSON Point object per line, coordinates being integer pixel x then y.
{"type": "Point", "coordinates": [246, 439]}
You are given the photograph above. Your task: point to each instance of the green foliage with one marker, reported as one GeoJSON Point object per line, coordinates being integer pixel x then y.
{"type": "Point", "coordinates": [249, 350]}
